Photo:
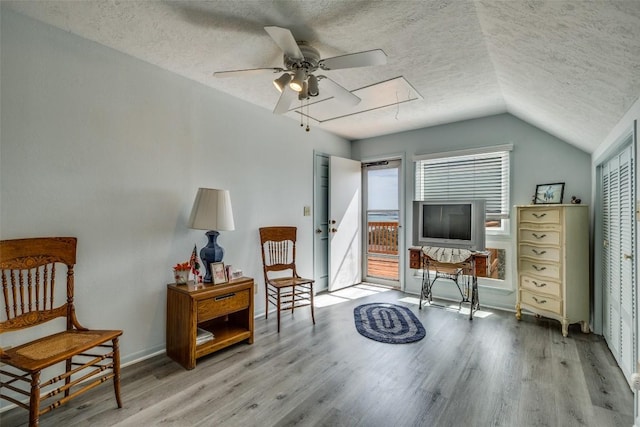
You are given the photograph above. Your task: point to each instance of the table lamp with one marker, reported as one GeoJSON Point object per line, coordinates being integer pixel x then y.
{"type": "Point", "coordinates": [211, 211]}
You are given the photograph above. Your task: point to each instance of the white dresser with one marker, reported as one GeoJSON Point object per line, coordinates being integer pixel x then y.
{"type": "Point", "coordinates": [553, 263]}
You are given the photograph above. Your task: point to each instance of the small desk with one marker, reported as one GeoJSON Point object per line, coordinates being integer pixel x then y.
{"type": "Point", "coordinates": [463, 274]}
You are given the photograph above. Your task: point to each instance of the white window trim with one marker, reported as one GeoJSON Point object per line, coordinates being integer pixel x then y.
{"type": "Point", "coordinates": [468, 152]}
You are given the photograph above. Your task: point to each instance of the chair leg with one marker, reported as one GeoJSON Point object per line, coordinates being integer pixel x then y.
{"type": "Point", "coordinates": [67, 381]}
{"type": "Point", "coordinates": [266, 301]}
{"type": "Point", "coordinates": [34, 401]}
{"type": "Point", "coordinates": [278, 310]}
{"type": "Point", "coordinates": [313, 318]}
{"type": "Point", "coordinates": [116, 370]}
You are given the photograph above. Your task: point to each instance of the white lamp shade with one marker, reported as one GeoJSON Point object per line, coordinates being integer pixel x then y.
{"type": "Point", "coordinates": [212, 210]}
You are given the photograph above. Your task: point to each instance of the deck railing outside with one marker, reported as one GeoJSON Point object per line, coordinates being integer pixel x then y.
{"type": "Point", "coordinates": [382, 251]}
{"type": "Point", "coordinates": [383, 237]}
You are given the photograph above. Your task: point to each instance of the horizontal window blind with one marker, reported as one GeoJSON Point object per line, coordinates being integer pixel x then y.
{"type": "Point", "coordinates": [473, 176]}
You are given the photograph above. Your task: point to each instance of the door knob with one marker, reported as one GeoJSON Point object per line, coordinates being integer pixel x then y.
{"type": "Point", "coordinates": [333, 221]}
{"type": "Point", "coordinates": [318, 231]}
{"type": "Point", "coordinates": [334, 230]}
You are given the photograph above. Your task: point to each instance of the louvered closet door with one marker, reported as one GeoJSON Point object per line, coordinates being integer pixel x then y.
{"type": "Point", "coordinates": [618, 272]}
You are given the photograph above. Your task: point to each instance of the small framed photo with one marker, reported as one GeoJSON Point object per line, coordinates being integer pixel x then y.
{"type": "Point", "coordinates": [549, 193]}
{"type": "Point", "coordinates": [218, 273]}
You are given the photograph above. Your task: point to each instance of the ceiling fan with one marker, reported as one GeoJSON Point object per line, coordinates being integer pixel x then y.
{"type": "Point", "coordinates": [301, 61]}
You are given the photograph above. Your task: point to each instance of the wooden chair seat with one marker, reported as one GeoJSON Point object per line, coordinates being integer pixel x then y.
{"type": "Point", "coordinates": [86, 358]}
{"type": "Point", "coordinates": [284, 288]}
{"type": "Point", "coordinates": [285, 282]}
{"type": "Point", "coordinates": [50, 350]}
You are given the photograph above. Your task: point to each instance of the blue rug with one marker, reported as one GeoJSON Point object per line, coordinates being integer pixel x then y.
{"type": "Point", "coordinates": [390, 323]}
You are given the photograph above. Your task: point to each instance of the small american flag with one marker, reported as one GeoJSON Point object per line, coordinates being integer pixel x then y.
{"type": "Point", "coordinates": [193, 262]}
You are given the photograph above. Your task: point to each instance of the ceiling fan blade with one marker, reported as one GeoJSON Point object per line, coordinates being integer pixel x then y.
{"type": "Point", "coordinates": [338, 92]}
{"type": "Point", "coordinates": [285, 100]}
{"type": "Point", "coordinates": [285, 40]}
{"type": "Point", "coordinates": [352, 60]}
{"type": "Point", "coordinates": [243, 73]}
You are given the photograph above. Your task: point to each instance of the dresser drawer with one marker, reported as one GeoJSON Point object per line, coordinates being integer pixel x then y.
{"type": "Point", "coordinates": [540, 215]}
{"type": "Point", "coordinates": [540, 253]}
{"type": "Point", "coordinates": [545, 269]}
{"type": "Point", "coordinates": [541, 286]}
{"type": "Point", "coordinates": [539, 237]}
{"type": "Point", "coordinates": [541, 302]}
{"type": "Point", "coordinates": [222, 304]}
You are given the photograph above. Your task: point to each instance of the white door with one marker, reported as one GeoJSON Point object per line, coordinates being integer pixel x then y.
{"type": "Point", "coordinates": [345, 231]}
{"type": "Point", "coordinates": [321, 223]}
{"type": "Point", "coordinates": [618, 232]}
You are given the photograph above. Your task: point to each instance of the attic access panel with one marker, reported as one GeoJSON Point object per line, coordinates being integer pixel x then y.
{"type": "Point", "coordinates": [388, 93]}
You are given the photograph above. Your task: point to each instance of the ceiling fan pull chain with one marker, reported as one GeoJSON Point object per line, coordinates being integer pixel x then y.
{"type": "Point", "coordinates": [307, 114]}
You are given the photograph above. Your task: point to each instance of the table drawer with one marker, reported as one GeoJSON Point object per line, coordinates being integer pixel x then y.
{"type": "Point", "coordinates": [537, 301]}
{"type": "Point", "coordinates": [540, 215]}
{"type": "Point", "coordinates": [548, 270]}
{"type": "Point", "coordinates": [540, 253]}
{"type": "Point", "coordinates": [414, 258]}
{"type": "Point", "coordinates": [541, 286]}
{"type": "Point", "coordinates": [222, 304]}
{"type": "Point", "coordinates": [539, 237]}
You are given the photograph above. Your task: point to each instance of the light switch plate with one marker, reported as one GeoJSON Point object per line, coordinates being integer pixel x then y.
{"type": "Point", "coordinates": [306, 211]}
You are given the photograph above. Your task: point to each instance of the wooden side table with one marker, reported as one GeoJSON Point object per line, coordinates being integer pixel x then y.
{"type": "Point", "coordinates": [225, 310]}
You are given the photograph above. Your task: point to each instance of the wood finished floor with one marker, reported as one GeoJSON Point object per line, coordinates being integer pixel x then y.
{"type": "Point", "coordinates": [492, 371]}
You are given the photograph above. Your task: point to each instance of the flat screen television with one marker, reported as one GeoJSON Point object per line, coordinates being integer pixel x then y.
{"type": "Point", "coordinates": [449, 224]}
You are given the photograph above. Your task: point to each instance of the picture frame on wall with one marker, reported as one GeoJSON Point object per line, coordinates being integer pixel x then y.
{"type": "Point", "coordinates": [219, 273]}
{"type": "Point", "coordinates": [549, 193]}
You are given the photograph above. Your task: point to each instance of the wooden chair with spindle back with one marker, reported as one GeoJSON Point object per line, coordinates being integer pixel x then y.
{"type": "Point", "coordinates": [284, 288]}
{"type": "Point", "coordinates": [91, 357]}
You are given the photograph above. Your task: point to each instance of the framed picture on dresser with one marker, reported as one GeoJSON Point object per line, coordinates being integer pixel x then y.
{"type": "Point", "coordinates": [219, 273]}
{"type": "Point", "coordinates": [549, 193]}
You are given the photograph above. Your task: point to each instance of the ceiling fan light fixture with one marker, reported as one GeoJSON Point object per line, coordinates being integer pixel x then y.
{"type": "Point", "coordinates": [297, 82]}
{"type": "Point", "coordinates": [282, 81]}
{"type": "Point", "coordinates": [313, 85]}
{"type": "Point", "coordinates": [304, 93]}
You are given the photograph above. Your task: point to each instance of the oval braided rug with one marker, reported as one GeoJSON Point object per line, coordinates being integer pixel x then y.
{"type": "Point", "coordinates": [390, 323]}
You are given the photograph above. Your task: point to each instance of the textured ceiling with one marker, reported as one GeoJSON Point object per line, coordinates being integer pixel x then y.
{"type": "Point", "coordinates": [569, 67]}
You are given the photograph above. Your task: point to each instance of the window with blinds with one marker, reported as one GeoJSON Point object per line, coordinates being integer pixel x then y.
{"type": "Point", "coordinates": [470, 174]}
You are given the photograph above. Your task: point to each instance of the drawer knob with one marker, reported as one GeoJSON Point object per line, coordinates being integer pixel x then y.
{"type": "Point", "coordinates": [226, 296]}
{"type": "Point", "coordinates": [539, 268]}
{"type": "Point", "coordinates": [539, 215]}
{"type": "Point", "coordinates": [537, 252]}
{"type": "Point", "coordinates": [542, 301]}
{"type": "Point", "coordinates": [539, 236]}
{"type": "Point", "coordinates": [538, 285]}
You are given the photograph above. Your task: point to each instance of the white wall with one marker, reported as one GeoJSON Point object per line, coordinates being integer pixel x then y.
{"type": "Point", "coordinates": [537, 158]}
{"type": "Point", "coordinates": [107, 148]}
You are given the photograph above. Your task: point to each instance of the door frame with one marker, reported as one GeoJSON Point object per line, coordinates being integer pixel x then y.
{"type": "Point", "coordinates": [403, 181]}
{"type": "Point", "coordinates": [320, 270]}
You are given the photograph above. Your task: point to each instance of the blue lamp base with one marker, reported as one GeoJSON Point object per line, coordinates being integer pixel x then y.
{"type": "Point", "coordinates": [211, 253]}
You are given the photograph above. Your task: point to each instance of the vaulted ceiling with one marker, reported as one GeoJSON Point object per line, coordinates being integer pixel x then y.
{"type": "Point", "coordinates": [569, 67]}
